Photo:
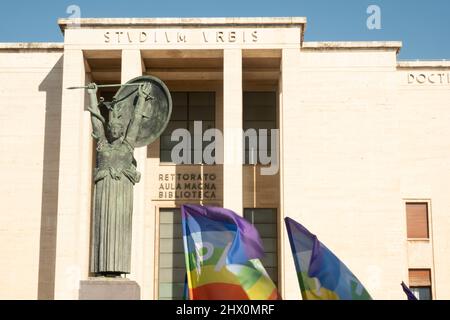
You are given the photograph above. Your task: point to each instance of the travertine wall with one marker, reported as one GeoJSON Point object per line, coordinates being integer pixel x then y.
{"type": "Point", "coordinates": [341, 161]}
{"type": "Point", "coordinates": [358, 141]}
{"type": "Point", "coordinates": [30, 103]}
{"type": "Point", "coordinates": [424, 118]}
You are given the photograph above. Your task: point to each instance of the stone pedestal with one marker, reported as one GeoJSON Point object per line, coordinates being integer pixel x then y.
{"type": "Point", "coordinates": [103, 288]}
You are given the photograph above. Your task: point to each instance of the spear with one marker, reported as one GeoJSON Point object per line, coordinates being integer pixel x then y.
{"type": "Point", "coordinates": [108, 85]}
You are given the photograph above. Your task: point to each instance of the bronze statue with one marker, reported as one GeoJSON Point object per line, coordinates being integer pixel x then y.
{"type": "Point", "coordinates": [137, 116]}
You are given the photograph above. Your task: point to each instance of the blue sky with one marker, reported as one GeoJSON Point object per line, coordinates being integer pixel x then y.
{"type": "Point", "coordinates": [423, 26]}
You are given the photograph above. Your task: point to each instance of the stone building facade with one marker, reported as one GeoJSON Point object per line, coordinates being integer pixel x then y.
{"type": "Point", "coordinates": [364, 151]}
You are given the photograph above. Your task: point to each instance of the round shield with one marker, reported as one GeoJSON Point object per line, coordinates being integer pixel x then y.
{"type": "Point", "coordinates": [157, 111]}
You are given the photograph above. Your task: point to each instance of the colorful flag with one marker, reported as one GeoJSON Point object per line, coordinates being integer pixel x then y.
{"type": "Point", "coordinates": [222, 252]}
{"type": "Point", "coordinates": [408, 292]}
{"type": "Point", "coordinates": [322, 276]}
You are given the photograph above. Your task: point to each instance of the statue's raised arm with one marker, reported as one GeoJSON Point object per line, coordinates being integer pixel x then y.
{"type": "Point", "coordinates": [141, 111]}
{"type": "Point", "coordinates": [98, 122]}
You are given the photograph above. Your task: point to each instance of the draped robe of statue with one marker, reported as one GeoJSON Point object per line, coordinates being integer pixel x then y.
{"type": "Point", "coordinates": [114, 177]}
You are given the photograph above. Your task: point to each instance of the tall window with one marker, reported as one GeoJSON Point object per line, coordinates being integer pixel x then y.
{"type": "Point", "coordinates": [260, 112]}
{"type": "Point", "coordinates": [187, 108]}
{"type": "Point", "coordinates": [420, 283]}
{"type": "Point", "coordinates": [266, 222]}
{"type": "Point", "coordinates": [417, 220]}
{"type": "Point", "coordinates": [172, 268]}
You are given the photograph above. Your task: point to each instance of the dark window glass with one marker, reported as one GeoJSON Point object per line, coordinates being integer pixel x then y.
{"type": "Point", "coordinates": [172, 267]}
{"type": "Point", "coordinates": [422, 293]}
{"type": "Point", "coordinates": [188, 107]}
{"type": "Point", "coordinates": [259, 112]}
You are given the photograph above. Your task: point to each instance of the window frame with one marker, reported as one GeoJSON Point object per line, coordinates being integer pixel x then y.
{"type": "Point", "coordinates": [188, 123]}
{"type": "Point", "coordinates": [429, 285]}
{"type": "Point", "coordinates": [274, 121]}
{"type": "Point", "coordinates": [156, 277]}
{"type": "Point", "coordinates": [429, 221]}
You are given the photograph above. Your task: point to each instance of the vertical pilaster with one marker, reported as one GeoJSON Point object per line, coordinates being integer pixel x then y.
{"type": "Point", "coordinates": [232, 127]}
{"type": "Point", "coordinates": [72, 251]}
{"type": "Point", "coordinates": [288, 198]}
{"type": "Point", "coordinates": [132, 67]}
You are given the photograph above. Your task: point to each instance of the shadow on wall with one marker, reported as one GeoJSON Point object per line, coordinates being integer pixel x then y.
{"type": "Point", "coordinates": [52, 86]}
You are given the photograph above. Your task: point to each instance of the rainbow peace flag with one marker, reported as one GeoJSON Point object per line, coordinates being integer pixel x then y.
{"type": "Point", "coordinates": [222, 252]}
{"type": "Point", "coordinates": [322, 276]}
